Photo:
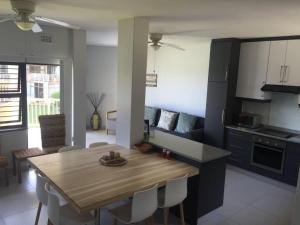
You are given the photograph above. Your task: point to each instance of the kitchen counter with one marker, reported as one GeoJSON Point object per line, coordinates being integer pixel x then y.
{"type": "Point", "coordinates": [206, 190]}
{"type": "Point", "coordinates": [187, 148]}
{"type": "Point", "coordinates": [295, 139]}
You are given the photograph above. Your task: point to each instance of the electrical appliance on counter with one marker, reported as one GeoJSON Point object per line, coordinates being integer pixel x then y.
{"type": "Point", "coordinates": [249, 120]}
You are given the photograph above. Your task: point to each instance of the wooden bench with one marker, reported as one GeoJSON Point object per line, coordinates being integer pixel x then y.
{"type": "Point", "coordinates": [22, 155]}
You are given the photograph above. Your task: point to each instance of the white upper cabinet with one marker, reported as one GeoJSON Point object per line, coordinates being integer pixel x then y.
{"type": "Point", "coordinates": [277, 62]}
{"type": "Point", "coordinates": [253, 67]}
{"type": "Point", "coordinates": [292, 64]}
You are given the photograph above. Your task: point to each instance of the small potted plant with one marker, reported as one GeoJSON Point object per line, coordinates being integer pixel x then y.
{"type": "Point", "coordinates": [95, 99]}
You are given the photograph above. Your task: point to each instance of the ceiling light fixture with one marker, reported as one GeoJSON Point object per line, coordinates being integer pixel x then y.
{"type": "Point", "coordinates": [156, 47]}
{"type": "Point", "coordinates": [24, 22]}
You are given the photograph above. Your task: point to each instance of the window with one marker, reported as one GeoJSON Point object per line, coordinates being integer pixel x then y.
{"type": "Point", "coordinates": [12, 96]}
{"type": "Point", "coordinates": [35, 69]}
{"type": "Point", "coordinates": [51, 69]}
{"type": "Point", "coordinates": [38, 90]}
{"type": "Point", "coordinates": [3, 70]}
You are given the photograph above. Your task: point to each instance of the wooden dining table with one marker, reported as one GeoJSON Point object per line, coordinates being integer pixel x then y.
{"type": "Point", "coordinates": [88, 185]}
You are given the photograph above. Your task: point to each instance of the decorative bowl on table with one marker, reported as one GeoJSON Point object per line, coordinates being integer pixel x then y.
{"type": "Point", "coordinates": [113, 159]}
{"type": "Point", "coordinates": [143, 147]}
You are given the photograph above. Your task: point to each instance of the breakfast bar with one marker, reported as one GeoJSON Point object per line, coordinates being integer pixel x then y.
{"type": "Point", "coordinates": [205, 190]}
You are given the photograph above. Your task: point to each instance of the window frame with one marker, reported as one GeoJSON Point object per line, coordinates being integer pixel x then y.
{"type": "Point", "coordinates": [22, 95]}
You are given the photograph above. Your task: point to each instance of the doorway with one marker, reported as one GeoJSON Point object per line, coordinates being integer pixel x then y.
{"type": "Point", "coordinates": [43, 97]}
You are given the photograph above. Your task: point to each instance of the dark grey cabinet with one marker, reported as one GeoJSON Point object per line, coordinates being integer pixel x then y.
{"type": "Point", "coordinates": [215, 113]}
{"type": "Point", "coordinates": [220, 60]}
{"type": "Point", "coordinates": [292, 163]}
{"type": "Point", "coordinates": [240, 145]}
{"type": "Point", "coordinates": [221, 104]}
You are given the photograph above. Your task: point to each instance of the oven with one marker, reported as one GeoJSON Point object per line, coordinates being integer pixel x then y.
{"type": "Point", "coordinates": [268, 154]}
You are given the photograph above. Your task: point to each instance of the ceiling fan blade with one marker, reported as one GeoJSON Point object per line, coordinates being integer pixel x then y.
{"type": "Point", "coordinates": [172, 46]}
{"type": "Point", "coordinates": [36, 28]}
{"type": "Point", "coordinates": [56, 22]}
{"type": "Point", "coordinates": [7, 18]}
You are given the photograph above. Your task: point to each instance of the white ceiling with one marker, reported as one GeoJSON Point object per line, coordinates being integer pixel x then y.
{"type": "Point", "coordinates": [206, 18]}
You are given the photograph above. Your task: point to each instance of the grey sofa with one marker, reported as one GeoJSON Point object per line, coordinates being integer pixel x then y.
{"type": "Point", "coordinates": [196, 134]}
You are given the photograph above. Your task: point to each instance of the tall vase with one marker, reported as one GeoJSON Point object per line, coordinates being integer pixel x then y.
{"type": "Point", "coordinates": [96, 120]}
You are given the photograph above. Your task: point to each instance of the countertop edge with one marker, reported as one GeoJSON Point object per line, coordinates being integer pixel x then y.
{"type": "Point", "coordinates": [295, 140]}
{"type": "Point", "coordinates": [225, 153]}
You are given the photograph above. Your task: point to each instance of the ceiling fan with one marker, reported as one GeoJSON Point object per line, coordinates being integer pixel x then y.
{"type": "Point", "coordinates": [25, 20]}
{"type": "Point", "coordinates": [155, 42]}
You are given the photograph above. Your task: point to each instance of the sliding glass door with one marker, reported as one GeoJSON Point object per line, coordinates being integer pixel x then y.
{"type": "Point", "coordinates": [43, 97]}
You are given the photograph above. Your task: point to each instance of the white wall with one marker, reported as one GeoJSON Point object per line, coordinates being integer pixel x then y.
{"type": "Point", "coordinates": [17, 43]}
{"type": "Point", "coordinates": [19, 46]}
{"type": "Point", "coordinates": [182, 75]}
{"type": "Point", "coordinates": [13, 140]}
{"type": "Point", "coordinates": [102, 77]}
{"type": "Point", "coordinates": [283, 111]}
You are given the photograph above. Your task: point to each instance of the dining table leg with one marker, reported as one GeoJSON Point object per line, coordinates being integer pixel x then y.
{"type": "Point", "coordinates": [97, 217]}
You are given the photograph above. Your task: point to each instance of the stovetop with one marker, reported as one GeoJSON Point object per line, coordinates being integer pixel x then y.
{"type": "Point", "coordinates": [276, 133]}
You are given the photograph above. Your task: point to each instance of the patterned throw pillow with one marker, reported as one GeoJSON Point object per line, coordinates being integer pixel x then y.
{"type": "Point", "coordinates": [166, 120]}
{"type": "Point", "coordinates": [150, 114]}
{"type": "Point", "coordinates": [185, 123]}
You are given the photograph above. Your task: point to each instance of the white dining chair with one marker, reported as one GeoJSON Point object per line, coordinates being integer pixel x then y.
{"type": "Point", "coordinates": [69, 148]}
{"type": "Point", "coordinates": [141, 208]}
{"type": "Point", "coordinates": [97, 144]}
{"type": "Point", "coordinates": [64, 215]}
{"type": "Point", "coordinates": [173, 194]}
{"type": "Point", "coordinates": [42, 196]}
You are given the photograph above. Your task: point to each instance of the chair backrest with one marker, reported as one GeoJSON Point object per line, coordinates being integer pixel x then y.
{"type": "Point", "coordinates": [69, 148]}
{"type": "Point", "coordinates": [175, 191]}
{"type": "Point", "coordinates": [40, 189]}
{"type": "Point", "coordinates": [53, 207]}
{"type": "Point", "coordinates": [97, 144]}
{"type": "Point", "coordinates": [53, 130]}
{"type": "Point", "coordinates": [144, 204]}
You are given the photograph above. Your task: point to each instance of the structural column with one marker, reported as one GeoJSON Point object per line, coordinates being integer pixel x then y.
{"type": "Point", "coordinates": [67, 100]}
{"type": "Point", "coordinates": [132, 63]}
{"type": "Point", "coordinates": [79, 87]}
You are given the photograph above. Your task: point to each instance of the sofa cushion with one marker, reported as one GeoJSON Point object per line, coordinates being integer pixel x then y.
{"type": "Point", "coordinates": [150, 114]}
{"type": "Point", "coordinates": [185, 123]}
{"type": "Point", "coordinates": [167, 120]}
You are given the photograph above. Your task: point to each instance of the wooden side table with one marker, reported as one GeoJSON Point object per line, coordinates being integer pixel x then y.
{"type": "Point", "coordinates": [22, 155]}
{"type": "Point", "coordinates": [4, 165]}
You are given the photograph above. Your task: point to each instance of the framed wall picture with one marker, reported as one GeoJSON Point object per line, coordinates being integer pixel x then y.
{"type": "Point", "coordinates": [151, 80]}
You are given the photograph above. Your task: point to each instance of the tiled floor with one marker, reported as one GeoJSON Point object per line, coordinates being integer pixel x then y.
{"type": "Point", "coordinates": [96, 136]}
{"type": "Point", "coordinates": [249, 199]}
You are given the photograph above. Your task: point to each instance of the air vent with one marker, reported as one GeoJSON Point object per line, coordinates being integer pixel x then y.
{"type": "Point", "coordinates": [46, 38]}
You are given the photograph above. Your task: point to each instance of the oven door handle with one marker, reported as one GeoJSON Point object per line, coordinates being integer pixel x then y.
{"type": "Point", "coordinates": [269, 148]}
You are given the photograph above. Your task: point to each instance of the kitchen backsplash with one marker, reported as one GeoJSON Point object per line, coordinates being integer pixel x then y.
{"type": "Point", "coordinates": [283, 111]}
